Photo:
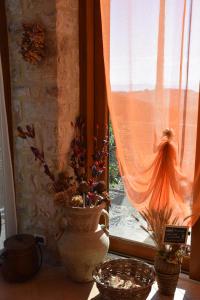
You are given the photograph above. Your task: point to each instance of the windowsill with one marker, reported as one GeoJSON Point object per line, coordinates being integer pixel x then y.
{"type": "Point", "coordinates": [51, 283]}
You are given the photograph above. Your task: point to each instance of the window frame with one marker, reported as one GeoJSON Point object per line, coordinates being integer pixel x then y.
{"type": "Point", "coordinates": [92, 76]}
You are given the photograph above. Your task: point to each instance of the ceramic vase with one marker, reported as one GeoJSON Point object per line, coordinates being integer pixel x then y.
{"type": "Point", "coordinates": [85, 242]}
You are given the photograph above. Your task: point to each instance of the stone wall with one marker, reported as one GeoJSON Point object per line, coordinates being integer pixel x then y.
{"type": "Point", "coordinates": [46, 95]}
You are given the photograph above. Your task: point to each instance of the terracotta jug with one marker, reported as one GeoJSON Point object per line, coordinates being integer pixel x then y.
{"type": "Point", "coordinates": [84, 243]}
{"type": "Point", "coordinates": [22, 258]}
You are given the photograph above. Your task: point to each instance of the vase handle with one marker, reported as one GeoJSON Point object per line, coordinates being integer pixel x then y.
{"type": "Point", "coordinates": [105, 215]}
{"type": "Point", "coordinates": [62, 224]}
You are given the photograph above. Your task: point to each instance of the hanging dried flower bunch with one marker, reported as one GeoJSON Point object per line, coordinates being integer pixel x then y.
{"type": "Point", "coordinates": [33, 43]}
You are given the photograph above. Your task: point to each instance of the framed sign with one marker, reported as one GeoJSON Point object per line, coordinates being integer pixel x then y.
{"type": "Point", "coordinates": [175, 234]}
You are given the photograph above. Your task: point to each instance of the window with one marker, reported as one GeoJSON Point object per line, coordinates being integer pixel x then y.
{"type": "Point", "coordinates": [93, 107]}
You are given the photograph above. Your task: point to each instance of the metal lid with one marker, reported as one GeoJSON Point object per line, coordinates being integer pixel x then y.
{"type": "Point", "coordinates": [19, 242]}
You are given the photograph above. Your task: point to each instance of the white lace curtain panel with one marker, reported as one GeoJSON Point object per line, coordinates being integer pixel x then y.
{"type": "Point", "coordinates": [7, 192]}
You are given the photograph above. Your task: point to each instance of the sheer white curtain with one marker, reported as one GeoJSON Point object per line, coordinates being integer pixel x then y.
{"type": "Point", "coordinates": [7, 193]}
{"type": "Point", "coordinates": [152, 68]}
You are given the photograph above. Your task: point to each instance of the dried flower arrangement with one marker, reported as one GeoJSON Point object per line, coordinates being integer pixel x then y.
{"type": "Point", "coordinates": [77, 190]}
{"type": "Point", "coordinates": [156, 221]}
{"type": "Point", "coordinates": [33, 43]}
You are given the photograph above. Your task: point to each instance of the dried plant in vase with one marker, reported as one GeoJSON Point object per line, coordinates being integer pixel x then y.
{"type": "Point", "coordinates": [82, 200]}
{"type": "Point", "coordinates": [77, 190]}
{"type": "Point", "coordinates": [168, 257]}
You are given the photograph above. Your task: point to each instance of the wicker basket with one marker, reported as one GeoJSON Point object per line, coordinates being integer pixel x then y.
{"type": "Point", "coordinates": [135, 278]}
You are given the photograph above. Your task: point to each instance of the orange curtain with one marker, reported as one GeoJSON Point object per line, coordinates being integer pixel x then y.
{"type": "Point", "coordinates": [152, 66]}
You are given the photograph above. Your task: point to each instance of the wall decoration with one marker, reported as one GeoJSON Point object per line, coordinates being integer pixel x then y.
{"type": "Point", "coordinates": [33, 43]}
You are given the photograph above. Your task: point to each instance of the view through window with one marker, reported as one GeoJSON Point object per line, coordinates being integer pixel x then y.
{"type": "Point", "coordinates": [122, 214]}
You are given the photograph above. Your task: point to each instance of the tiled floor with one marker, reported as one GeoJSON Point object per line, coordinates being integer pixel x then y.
{"type": "Point", "coordinates": [52, 284]}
